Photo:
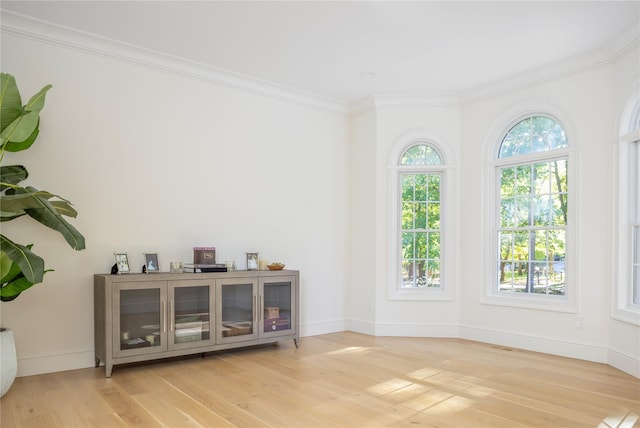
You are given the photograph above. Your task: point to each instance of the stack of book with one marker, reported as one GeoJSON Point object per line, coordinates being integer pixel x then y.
{"type": "Point", "coordinates": [198, 267]}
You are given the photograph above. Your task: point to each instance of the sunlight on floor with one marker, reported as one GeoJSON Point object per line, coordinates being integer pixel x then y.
{"type": "Point", "coordinates": [442, 392]}
{"type": "Point", "coordinates": [431, 390]}
{"type": "Point", "coordinates": [622, 419]}
{"type": "Point", "coordinates": [390, 386]}
{"type": "Point", "coordinates": [428, 400]}
{"type": "Point", "coordinates": [350, 350]}
{"type": "Point", "coordinates": [424, 373]}
{"type": "Point", "coordinates": [452, 405]}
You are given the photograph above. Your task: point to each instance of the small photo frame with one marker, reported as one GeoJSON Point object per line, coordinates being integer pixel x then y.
{"type": "Point", "coordinates": [252, 261]}
{"type": "Point", "coordinates": [151, 262]}
{"type": "Point", "coordinates": [122, 262]}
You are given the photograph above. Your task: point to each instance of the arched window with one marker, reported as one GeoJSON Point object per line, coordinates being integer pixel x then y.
{"type": "Point", "coordinates": [532, 210]}
{"type": "Point", "coordinates": [421, 250]}
{"type": "Point", "coordinates": [633, 181]}
{"type": "Point", "coordinates": [420, 202]}
{"type": "Point", "coordinates": [626, 296]}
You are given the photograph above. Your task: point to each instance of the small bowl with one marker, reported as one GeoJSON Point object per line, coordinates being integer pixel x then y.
{"type": "Point", "coordinates": [275, 266]}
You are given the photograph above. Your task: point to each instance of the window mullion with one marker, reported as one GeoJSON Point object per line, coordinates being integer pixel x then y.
{"type": "Point", "coordinates": [416, 166]}
{"type": "Point", "coordinates": [528, 208]}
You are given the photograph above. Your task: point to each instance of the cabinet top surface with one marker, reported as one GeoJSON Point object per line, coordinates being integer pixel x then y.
{"type": "Point", "coordinates": [167, 276]}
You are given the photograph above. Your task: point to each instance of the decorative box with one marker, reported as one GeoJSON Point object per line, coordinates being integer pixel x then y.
{"type": "Point", "coordinates": [239, 328]}
{"type": "Point", "coordinates": [275, 324]}
{"type": "Point", "coordinates": [188, 335]}
{"type": "Point", "coordinates": [190, 328]}
{"type": "Point", "coordinates": [271, 312]}
{"type": "Point", "coordinates": [204, 255]}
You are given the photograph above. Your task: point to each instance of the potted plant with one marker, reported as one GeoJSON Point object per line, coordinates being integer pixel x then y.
{"type": "Point", "coordinates": [20, 268]}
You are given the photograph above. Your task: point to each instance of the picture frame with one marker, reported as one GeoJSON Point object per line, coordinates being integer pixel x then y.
{"type": "Point", "coordinates": [151, 263]}
{"type": "Point", "coordinates": [252, 261]}
{"type": "Point", "coordinates": [122, 263]}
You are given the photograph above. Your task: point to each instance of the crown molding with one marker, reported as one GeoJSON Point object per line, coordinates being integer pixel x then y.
{"type": "Point", "coordinates": [30, 28]}
{"type": "Point", "coordinates": [441, 99]}
{"type": "Point", "coordinates": [374, 102]}
{"type": "Point", "coordinates": [627, 41]}
{"type": "Point", "coordinates": [362, 105]}
{"type": "Point", "coordinates": [536, 76]}
{"type": "Point", "coordinates": [605, 55]}
{"type": "Point", "coordinates": [46, 32]}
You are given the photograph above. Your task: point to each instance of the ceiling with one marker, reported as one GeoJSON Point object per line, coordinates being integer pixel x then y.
{"type": "Point", "coordinates": [323, 48]}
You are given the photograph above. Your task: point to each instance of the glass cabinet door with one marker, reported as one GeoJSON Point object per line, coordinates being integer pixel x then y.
{"type": "Point", "coordinates": [139, 318]}
{"type": "Point", "coordinates": [278, 306]}
{"type": "Point", "coordinates": [237, 300]}
{"type": "Point", "coordinates": [191, 311]}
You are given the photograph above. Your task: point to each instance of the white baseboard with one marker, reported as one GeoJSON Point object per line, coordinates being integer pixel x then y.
{"type": "Point", "coordinates": [624, 362]}
{"type": "Point", "coordinates": [30, 366]}
{"type": "Point", "coordinates": [583, 351]}
{"type": "Point", "coordinates": [597, 353]}
{"type": "Point", "coordinates": [417, 330]}
{"type": "Point", "coordinates": [323, 327]}
{"type": "Point", "coordinates": [55, 363]}
{"type": "Point", "coordinates": [364, 327]}
{"type": "Point", "coordinates": [402, 330]}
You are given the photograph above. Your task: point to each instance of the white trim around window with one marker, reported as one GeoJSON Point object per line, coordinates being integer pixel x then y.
{"type": "Point", "coordinates": [447, 289]}
{"type": "Point", "coordinates": [489, 292]}
{"type": "Point", "coordinates": [626, 213]}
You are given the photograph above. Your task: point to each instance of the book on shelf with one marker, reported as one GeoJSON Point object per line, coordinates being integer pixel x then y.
{"type": "Point", "coordinates": [199, 267]}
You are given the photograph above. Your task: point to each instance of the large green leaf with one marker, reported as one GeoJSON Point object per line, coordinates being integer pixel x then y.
{"type": "Point", "coordinates": [64, 208]}
{"type": "Point", "coordinates": [16, 146]}
{"type": "Point", "coordinates": [10, 101]}
{"type": "Point", "coordinates": [9, 216]}
{"type": "Point", "coordinates": [18, 203]}
{"type": "Point", "coordinates": [12, 282]}
{"type": "Point", "coordinates": [13, 288]}
{"type": "Point", "coordinates": [23, 127]}
{"type": "Point", "coordinates": [8, 269]}
{"type": "Point", "coordinates": [12, 174]}
{"type": "Point", "coordinates": [37, 206]}
{"type": "Point", "coordinates": [31, 265]}
{"type": "Point", "coordinates": [17, 200]}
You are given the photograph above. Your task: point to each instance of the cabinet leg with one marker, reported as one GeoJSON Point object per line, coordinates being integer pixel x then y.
{"type": "Point", "coordinates": [108, 368]}
{"type": "Point", "coordinates": [295, 342]}
{"type": "Point", "coordinates": [97, 362]}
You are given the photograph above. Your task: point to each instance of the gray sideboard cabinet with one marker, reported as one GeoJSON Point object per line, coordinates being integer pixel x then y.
{"type": "Point", "coordinates": [141, 317]}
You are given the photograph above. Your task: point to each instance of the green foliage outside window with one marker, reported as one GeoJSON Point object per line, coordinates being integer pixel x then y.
{"type": "Point", "coordinates": [420, 219]}
{"type": "Point", "coordinates": [533, 210]}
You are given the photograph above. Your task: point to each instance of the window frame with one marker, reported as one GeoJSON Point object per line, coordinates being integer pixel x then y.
{"type": "Point", "coordinates": [628, 168]}
{"type": "Point", "coordinates": [447, 289]}
{"type": "Point", "coordinates": [490, 293]}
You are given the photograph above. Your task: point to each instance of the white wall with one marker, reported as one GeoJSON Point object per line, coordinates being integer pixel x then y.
{"type": "Point", "coordinates": [399, 118]}
{"type": "Point", "coordinates": [380, 129]}
{"type": "Point", "coordinates": [158, 161]}
{"type": "Point", "coordinates": [584, 102]}
{"type": "Point", "coordinates": [624, 337]}
{"type": "Point", "coordinates": [363, 265]}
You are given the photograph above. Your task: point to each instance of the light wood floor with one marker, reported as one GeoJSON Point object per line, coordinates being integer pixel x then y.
{"type": "Point", "coordinates": [335, 380]}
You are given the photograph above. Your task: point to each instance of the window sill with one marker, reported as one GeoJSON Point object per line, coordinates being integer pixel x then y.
{"type": "Point", "coordinates": [628, 315]}
{"type": "Point", "coordinates": [426, 294]}
{"type": "Point", "coordinates": [532, 301]}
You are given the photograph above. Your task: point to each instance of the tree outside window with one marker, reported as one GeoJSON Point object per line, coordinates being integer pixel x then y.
{"type": "Point", "coordinates": [532, 208]}
{"type": "Point", "coordinates": [420, 205]}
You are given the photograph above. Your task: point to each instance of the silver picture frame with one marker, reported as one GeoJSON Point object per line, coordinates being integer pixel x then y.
{"type": "Point", "coordinates": [122, 262]}
{"type": "Point", "coordinates": [151, 263]}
